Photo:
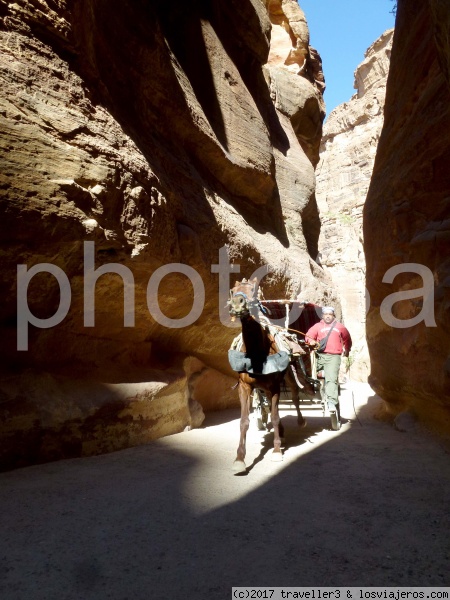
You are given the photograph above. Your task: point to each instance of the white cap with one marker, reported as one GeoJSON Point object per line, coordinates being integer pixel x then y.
{"type": "Point", "coordinates": [327, 309]}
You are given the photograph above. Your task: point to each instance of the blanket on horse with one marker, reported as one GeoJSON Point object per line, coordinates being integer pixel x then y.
{"type": "Point", "coordinates": [286, 344]}
{"type": "Point", "coordinates": [274, 363]}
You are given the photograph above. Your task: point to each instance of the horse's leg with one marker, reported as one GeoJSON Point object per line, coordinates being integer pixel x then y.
{"type": "Point", "coordinates": [276, 454]}
{"type": "Point", "coordinates": [290, 380]}
{"type": "Point", "coordinates": [244, 397]}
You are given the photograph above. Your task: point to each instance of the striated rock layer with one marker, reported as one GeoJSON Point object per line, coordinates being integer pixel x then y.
{"type": "Point", "coordinates": [347, 155]}
{"type": "Point", "coordinates": [406, 221]}
{"type": "Point", "coordinates": [159, 133]}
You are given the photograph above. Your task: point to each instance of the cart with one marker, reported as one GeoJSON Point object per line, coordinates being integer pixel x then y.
{"type": "Point", "coordinates": [294, 319]}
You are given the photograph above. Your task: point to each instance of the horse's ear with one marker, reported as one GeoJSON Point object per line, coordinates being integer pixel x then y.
{"type": "Point", "coordinates": [236, 283]}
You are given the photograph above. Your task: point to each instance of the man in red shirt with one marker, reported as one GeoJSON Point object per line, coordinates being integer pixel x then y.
{"type": "Point", "coordinates": [329, 359]}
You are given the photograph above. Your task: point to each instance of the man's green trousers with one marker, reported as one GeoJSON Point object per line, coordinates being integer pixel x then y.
{"type": "Point", "coordinates": [330, 364]}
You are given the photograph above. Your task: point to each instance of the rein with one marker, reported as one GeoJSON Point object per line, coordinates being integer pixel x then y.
{"type": "Point", "coordinates": [294, 330]}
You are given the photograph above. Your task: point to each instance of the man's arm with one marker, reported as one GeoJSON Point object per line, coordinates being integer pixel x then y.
{"type": "Point", "coordinates": [311, 334]}
{"type": "Point", "coordinates": [346, 340]}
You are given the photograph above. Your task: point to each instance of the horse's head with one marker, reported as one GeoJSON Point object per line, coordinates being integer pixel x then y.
{"type": "Point", "coordinates": [244, 298]}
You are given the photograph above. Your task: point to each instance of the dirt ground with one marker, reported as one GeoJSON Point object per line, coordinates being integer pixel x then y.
{"type": "Point", "coordinates": [366, 506]}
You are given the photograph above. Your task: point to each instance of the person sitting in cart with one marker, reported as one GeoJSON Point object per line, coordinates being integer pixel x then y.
{"type": "Point", "coordinates": [338, 342]}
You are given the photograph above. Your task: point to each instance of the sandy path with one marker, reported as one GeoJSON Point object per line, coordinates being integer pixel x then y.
{"type": "Point", "coordinates": [365, 506]}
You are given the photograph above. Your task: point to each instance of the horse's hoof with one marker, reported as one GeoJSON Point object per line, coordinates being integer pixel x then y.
{"type": "Point", "coordinates": [276, 456]}
{"type": "Point", "coordinates": [302, 424]}
{"type": "Point", "coordinates": [239, 466]}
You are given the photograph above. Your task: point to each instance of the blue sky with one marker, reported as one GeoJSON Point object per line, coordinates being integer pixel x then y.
{"type": "Point", "coordinates": [341, 32]}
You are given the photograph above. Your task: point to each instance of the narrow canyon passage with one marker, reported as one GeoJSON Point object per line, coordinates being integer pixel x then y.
{"type": "Point", "coordinates": [364, 506]}
{"type": "Point", "coordinates": [143, 138]}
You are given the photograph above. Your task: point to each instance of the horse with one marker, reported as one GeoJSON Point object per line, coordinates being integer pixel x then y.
{"type": "Point", "coordinates": [258, 346]}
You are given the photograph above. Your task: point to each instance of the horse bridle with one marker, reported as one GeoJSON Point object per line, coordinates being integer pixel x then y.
{"type": "Point", "coordinates": [252, 305]}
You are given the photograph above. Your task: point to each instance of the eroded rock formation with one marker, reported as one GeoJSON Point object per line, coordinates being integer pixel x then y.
{"type": "Point", "coordinates": [347, 155]}
{"type": "Point", "coordinates": [160, 132]}
{"type": "Point", "coordinates": [406, 220]}
{"type": "Point", "coordinates": [299, 98]}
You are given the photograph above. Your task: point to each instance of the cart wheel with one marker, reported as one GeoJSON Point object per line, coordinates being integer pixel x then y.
{"type": "Point", "coordinates": [335, 419]}
{"type": "Point", "coordinates": [259, 410]}
{"type": "Point", "coordinates": [259, 419]}
{"type": "Point", "coordinates": [265, 413]}
{"type": "Point", "coordinates": [256, 398]}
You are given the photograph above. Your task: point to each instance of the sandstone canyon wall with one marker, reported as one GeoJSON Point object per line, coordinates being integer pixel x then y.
{"type": "Point", "coordinates": [347, 155]}
{"type": "Point", "coordinates": [406, 221]}
{"type": "Point", "coordinates": [160, 132]}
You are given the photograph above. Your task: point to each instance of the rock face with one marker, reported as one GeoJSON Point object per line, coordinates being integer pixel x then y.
{"type": "Point", "coordinates": [347, 155]}
{"type": "Point", "coordinates": [158, 133]}
{"type": "Point", "coordinates": [406, 221]}
{"type": "Point", "coordinates": [291, 55]}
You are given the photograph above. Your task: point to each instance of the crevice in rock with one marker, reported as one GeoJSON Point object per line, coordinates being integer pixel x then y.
{"type": "Point", "coordinates": [311, 225]}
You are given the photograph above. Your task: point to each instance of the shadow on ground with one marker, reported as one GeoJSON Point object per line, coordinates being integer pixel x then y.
{"type": "Point", "coordinates": [367, 506]}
